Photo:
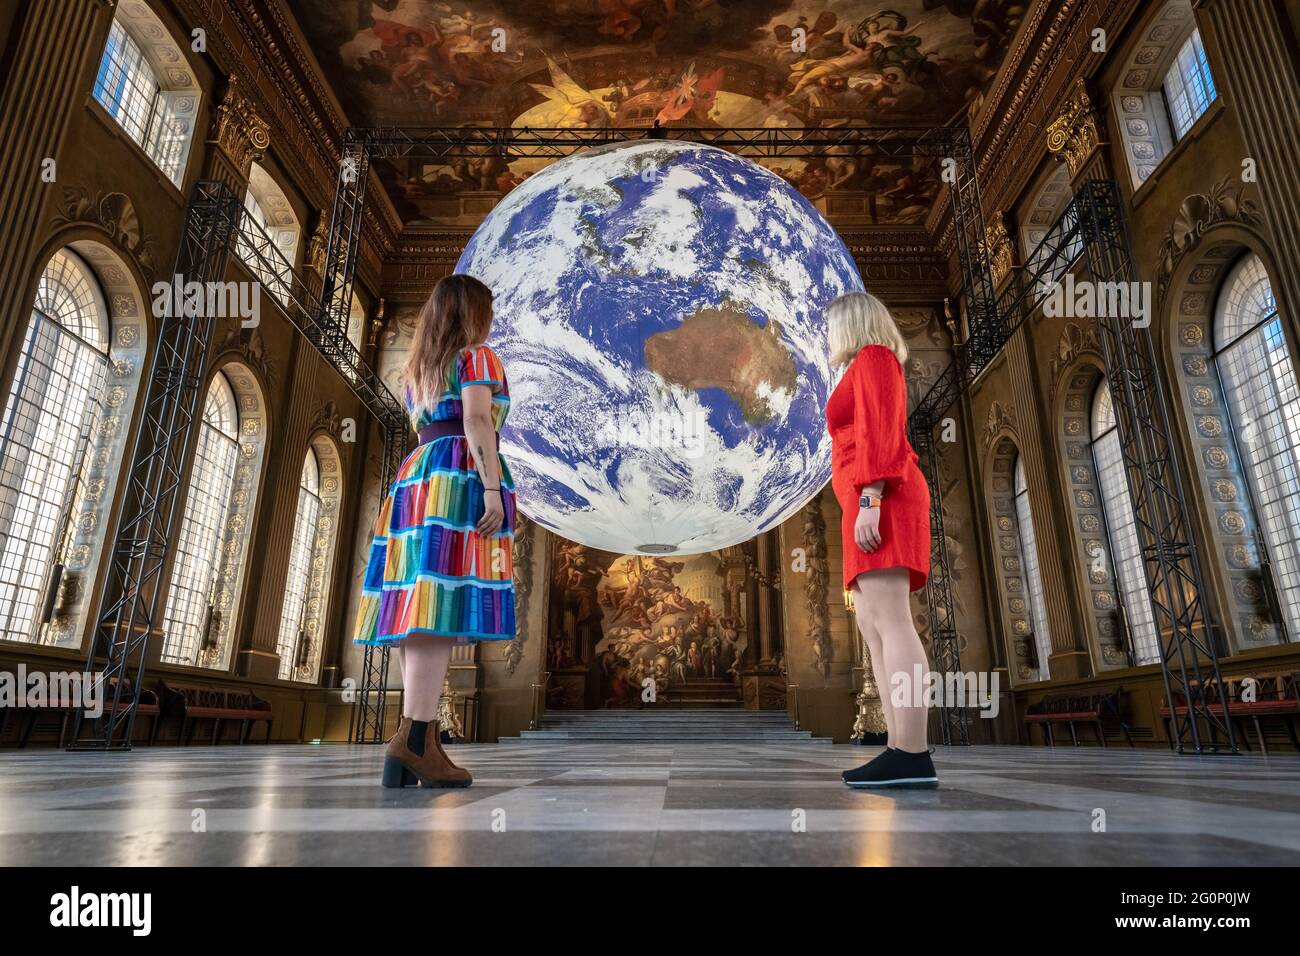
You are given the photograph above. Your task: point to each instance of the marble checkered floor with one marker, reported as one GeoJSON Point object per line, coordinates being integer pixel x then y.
{"type": "Point", "coordinates": [648, 804]}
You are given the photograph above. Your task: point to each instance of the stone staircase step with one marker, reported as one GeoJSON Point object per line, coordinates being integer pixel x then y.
{"type": "Point", "coordinates": [712, 724]}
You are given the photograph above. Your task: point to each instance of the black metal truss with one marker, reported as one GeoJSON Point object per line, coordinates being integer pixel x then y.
{"type": "Point", "coordinates": [467, 142]}
{"type": "Point", "coordinates": [954, 727]}
{"type": "Point", "coordinates": [216, 221]}
{"type": "Point", "coordinates": [128, 612]}
{"type": "Point", "coordinates": [347, 218]}
{"type": "Point", "coordinates": [1094, 226]}
{"type": "Point", "coordinates": [1174, 576]}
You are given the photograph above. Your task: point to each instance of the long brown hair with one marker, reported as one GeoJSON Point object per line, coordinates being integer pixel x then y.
{"type": "Point", "coordinates": [457, 316]}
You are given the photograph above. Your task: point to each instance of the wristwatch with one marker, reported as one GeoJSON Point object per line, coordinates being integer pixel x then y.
{"type": "Point", "coordinates": [869, 501]}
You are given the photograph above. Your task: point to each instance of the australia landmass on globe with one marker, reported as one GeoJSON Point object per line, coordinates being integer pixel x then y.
{"type": "Point", "coordinates": [723, 348]}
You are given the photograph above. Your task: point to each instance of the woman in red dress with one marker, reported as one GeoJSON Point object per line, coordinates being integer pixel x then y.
{"type": "Point", "coordinates": [886, 528]}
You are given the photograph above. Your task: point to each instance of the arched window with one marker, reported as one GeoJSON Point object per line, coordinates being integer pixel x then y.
{"type": "Point", "coordinates": [188, 621]}
{"type": "Point", "coordinates": [1259, 383]}
{"type": "Point", "coordinates": [356, 323]}
{"type": "Point", "coordinates": [1121, 528]}
{"type": "Point", "coordinates": [311, 556]}
{"type": "Point", "coordinates": [1164, 87]}
{"type": "Point", "coordinates": [50, 424]}
{"type": "Point", "coordinates": [1188, 87]}
{"type": "Point", "coordinates": [268, 241]}
{"type": "Point", "coordinates": [1029, 562]}
{"type": "Point", "coordinates": [1048, 218]}
{"type": "Point", "coordinates": [292, 642]}
{"type": "Point", "coordinates": [145, 84]}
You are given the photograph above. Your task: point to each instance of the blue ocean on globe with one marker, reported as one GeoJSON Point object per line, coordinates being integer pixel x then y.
{"type": "Point", "coordinates": [660, 312]}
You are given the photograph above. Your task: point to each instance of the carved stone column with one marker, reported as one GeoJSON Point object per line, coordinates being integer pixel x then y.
{"type": "Point", "coordinates": [50, 67]}
{"type": "Point", "coordinates": [1075, 135]}
{"type": "Point", "coordinates": [238, 137]}
{"type": "Point", "coordinates": [1257, 72]}
{"type": "Point", "coordinates": [1002, 251]}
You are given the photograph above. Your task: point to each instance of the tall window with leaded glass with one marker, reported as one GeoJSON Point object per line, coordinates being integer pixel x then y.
{"type": "Point", "coordinates": [48, 431]}
{"type": "Point", "coordinates": [1033, 576]}
{"type": "Point", "coordinates": [158, 118]}
{"type": "Point", "coordinates": [1189, 87]}
{"type": "Point", "coordinates": [189, 619]}
{"type": "Point", "coordinates": [1121, 529]}
{"type": "Point", "coordinates": [293, 643]}
{"type": "Point", "coordinates": [1257, 370]}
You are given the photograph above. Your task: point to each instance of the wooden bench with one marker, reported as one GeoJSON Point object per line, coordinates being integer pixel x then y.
{"type": "Point", "coordinates": [66, 708]}
{"type": "Point", "coordinates": [191, 705]}
{"type": "Point", "coordinates": [1092, 709]}
{"type": "Point", "coordinates": [1275, 694]}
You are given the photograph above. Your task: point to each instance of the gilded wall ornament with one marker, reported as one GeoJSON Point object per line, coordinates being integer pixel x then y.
{"type": "Point", "coordinates": [1001, 250]}
{"type": "Point", "coordinates": [237, 128]}
{"type": "Point", "coordinates": [1073, 136]}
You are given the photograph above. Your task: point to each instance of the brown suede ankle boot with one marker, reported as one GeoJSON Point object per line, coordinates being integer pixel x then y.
{"type": "Point", "coordinates": [436, 729]}
{"type": "Point", "coordinates": [396, 773]}
{"type": "Point", "coordinates": [431, 766]}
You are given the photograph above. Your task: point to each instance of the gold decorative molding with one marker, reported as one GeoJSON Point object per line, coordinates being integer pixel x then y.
{"type": "Point", "coordinates": [448, 720]}
{"type": "Point", "coordinates": [1001, 250]}
{"type": "Point", "coordinates": [871, 713]}
{"type": "Point", "coordinates": [318, 244]}
{"type": "Point", "coordinates": [238, 129]}
{"type": "Point", "coordinates": [1075, 134]}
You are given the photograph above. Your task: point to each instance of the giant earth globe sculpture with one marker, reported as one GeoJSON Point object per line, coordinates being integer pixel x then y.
{"type": "Point", "coordinates": [660, 312]}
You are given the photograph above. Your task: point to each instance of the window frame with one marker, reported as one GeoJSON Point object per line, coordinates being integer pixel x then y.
{"type": "Point", "coordinates": [1031, 571]}
{"type": "Point", "coordinates": [69, 345]}
{"type": "Point", "coordinates": [309, 538]}
{"type": "Point", "coordinates": [131, 71]}
{"type": "Point", "coordinates": [1122, 568]}
{"type": "Point", "coordinates": [171, 645]}
{"type": "Point", "coordinates": [1285, 612]}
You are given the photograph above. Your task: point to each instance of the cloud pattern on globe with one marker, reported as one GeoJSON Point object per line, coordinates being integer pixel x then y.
{"type": "Point", "coordinates": [660, 313]}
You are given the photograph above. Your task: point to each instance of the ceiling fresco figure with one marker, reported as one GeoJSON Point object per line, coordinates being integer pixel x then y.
{"type": "Point", "coordinates": [597, 64]}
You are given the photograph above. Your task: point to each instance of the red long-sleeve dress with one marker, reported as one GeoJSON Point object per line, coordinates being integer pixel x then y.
{"type": "Point", "coordinates": [866, 416]}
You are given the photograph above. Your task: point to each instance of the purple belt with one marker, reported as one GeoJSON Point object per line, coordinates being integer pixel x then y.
{"type": "Point", "coordinates": [442, 429]}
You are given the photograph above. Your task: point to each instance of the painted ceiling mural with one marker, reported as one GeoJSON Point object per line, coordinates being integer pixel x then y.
{"type": "Point", "coordinates": [627, 63]}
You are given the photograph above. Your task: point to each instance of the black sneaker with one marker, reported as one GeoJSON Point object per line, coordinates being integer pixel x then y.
{"type": "Point", "coordinates": [847, 775]}
{"type": "Point", "coordinates": [895, 768]}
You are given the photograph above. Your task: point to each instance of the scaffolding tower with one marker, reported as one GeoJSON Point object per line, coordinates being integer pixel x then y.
{"type": "Point", "coordinates": [1093, 230]}
{"type": "Point", "coordinates": [129, 612]}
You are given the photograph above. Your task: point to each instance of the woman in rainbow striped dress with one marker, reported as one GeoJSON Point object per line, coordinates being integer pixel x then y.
{"type": "Point", "coordinates": [441, 571]}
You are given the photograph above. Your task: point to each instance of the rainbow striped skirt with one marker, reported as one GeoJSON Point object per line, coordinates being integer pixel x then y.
{"type": "Point", "coordinates": [429, 572]}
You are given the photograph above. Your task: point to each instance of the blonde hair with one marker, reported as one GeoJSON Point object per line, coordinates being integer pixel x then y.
{"type": "Point", "coordinates": [859, 319]}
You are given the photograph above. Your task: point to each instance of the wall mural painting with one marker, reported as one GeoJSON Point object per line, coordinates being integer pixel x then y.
{"type": "Point", "coordinates": [616, 620]}
{"type": "Point", "coordinates": [628, 63]}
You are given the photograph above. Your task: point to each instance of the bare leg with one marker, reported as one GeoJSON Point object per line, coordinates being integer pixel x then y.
{"type": "Point", "coordinates": [884, 596]}
{"type": "Point", "coordinates": [424, 667]}
{"type": "Point", "coordinates": [871, 638]}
